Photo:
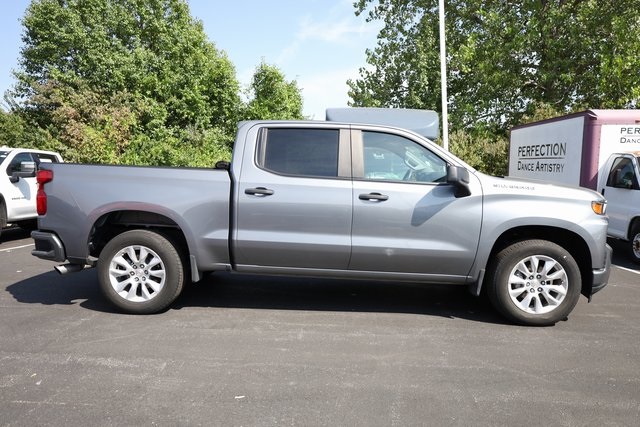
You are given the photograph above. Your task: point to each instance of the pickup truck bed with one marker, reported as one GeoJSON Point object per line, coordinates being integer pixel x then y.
{"type": "Point", "coordinates": [195, 201]}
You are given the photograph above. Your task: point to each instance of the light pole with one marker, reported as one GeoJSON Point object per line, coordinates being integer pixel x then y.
{"type": "Point", "coordinates": [443, 79]}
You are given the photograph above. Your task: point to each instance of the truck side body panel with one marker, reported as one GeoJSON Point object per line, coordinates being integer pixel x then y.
{"type": "Point", "coordinates": [543, 205]}
{"type": "Point", "coordinates": [420, 230]}
{"type": "Point", "coordinates": [305, 221]}
{"type": "Point", "coordinates": [197, 200]}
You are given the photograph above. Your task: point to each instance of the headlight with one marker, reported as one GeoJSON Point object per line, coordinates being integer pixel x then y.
{"type": "Point", "coordinates": [599, 207]}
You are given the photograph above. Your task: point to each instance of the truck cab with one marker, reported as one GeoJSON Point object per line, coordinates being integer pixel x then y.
{"type": "Point", "coordinates": [620, 185]}
{"type": "Point", "coordinates": [18, 185]}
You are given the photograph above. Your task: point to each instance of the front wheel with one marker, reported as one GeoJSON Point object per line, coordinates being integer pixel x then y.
{"type": "Point", "coordinates": [634, 243]}
{"type": "Point", "coordinates": [140, 272]}
{"type": "Point", "coordinates": [534, 282]}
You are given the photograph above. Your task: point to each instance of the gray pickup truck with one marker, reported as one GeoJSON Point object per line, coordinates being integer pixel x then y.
{"type": "Point", "coordinates": [326, 199]}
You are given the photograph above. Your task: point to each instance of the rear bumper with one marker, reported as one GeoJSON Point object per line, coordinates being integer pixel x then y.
{"type": "Point", "coordinates": [601, 276]}
{"type": "Point", "coordinates": [48, 246]}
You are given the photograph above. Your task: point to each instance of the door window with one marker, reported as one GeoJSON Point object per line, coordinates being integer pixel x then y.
{"type": "Point", "coordinates": [622, 174]}
{"type": "Point", "coordinates": [390, 157]}
{"type": "Point", "coordinates": [300, 152]}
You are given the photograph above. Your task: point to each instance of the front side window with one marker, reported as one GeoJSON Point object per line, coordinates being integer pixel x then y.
{"type": "Point", "coordinates": [300, 152]}
{"type": "Point", "coordinates": [622, 174]}
{"type": "Point", "coordinates": [390, 157]}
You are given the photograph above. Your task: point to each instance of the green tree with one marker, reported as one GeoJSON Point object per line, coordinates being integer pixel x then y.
{"type": "Point", "coordinates": [483, 150]}
{"type": "Point", "coordinates": [134, 81]}
{"type": "Point", "coordinates": [504, 58]}
{"type": "Point", "coordinates": [271, 97]}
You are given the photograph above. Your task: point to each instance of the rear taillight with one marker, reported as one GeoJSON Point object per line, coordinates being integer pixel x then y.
{"type": "Point", "coordinates": [42, 177]}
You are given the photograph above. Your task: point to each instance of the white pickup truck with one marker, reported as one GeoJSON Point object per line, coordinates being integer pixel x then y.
{"type": "Point", "coordinates": [18, 185]}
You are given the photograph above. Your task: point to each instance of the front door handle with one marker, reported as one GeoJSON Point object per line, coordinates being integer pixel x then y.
{"type": "Point", "coordinates": [374, 196]}
{"type": "Point", "coordinates": [258, 191]}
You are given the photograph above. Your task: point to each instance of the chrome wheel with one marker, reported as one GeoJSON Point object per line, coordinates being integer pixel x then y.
{"type": "Point", "coordinates": [635, 246]}
{"type": "Point", "coordinates": [137, 273]}
{"type": "Point", "coordinates": [538, 284]}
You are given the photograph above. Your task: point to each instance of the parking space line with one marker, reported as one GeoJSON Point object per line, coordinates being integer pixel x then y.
{"type": "Point", "coordinates": [627, 269]}
{"type": "Point", "coordinates": [17, 247]}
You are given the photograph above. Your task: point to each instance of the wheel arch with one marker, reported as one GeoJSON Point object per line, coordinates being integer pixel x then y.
{"type": "Point", "coordinates": [633, 223]}
{"type": "Point", "coordinates": [572, 242]}
{"type": "Point", "coordinates": [114, 223]}
{"type": "Point", "coordinates": [632, 242]}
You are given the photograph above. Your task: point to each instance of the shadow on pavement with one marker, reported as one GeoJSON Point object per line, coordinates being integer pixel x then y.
{"type": "Point", "coordinates": [224, 290]}
{"type": "Point", "coordinates": [53, 289]}
{"type": "Point", "coordinates": [13, 233]}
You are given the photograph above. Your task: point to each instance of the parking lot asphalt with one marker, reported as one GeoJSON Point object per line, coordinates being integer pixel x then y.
{"type": "Point", "coordinates": [251, 350]}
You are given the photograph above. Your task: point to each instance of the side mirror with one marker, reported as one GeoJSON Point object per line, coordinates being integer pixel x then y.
{"type": "Point", "coordinates": [459, 178]}
{"type": "Point", "coordinates": [27, 170]}
{"type": "Point", "coordinates": [223, 165]}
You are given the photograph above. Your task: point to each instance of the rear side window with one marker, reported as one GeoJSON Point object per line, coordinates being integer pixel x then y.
{"type": "Point", "coordinates": [300, 152]}
{"type": "Point", "coordinates": [45, 158]}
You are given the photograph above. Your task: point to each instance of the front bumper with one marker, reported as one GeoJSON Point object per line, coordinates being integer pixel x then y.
{"type": "Point", "coordinates": [601, 276]}
{"type": "Point", "coordinates": [48, 246]}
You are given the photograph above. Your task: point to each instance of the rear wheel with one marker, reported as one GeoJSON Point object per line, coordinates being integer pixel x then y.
{"type": "Point", "coordinates": [141, 272]}
{"type": "Point", "coordinates": [634, 243]}
{"type": "Point", "coordinates": [534, 282]}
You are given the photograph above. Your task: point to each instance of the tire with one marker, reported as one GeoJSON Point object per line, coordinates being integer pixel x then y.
{"type": "Point", "coordinates": [634, 243]}
{"type": "Point", "coordinates": [140, 272]}
{"type": "Point", "coordinates": [28, 225]}
{"type": "Point", "coordinates": [3, 215]}
{"type": "Point", "coordinates": [534, 283]}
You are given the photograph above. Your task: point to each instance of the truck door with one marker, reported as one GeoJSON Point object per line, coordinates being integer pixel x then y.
{"type": "Point", "coordinates": [20, 196]}
{"type": "Point", "coordinates": [622, 192]}
{"type": "Point", "coordinates": [294, 200]}
{"type": "Point", "coordinates": [406, 219]}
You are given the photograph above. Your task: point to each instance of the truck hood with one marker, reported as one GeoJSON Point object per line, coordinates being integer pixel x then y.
{"type": "Point", "coordinates": [534, 188]}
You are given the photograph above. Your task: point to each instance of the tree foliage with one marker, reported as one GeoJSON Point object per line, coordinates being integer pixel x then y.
{"type": "Point", "coordinates": [153, 48]}
{"type": "Point", "coordinates": [504, 59]}
{"type": "Point", "coordinates": [133, 82]}
{"type": "Point", "coordinates": [484, 151]}
{"type": "Point", "coordinates": [272, 97]}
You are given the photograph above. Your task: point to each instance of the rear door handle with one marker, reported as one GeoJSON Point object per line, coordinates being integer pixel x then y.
{"type": "Point", "coordinates": [374, 196]}
{"type": "Point", "coordinates": [258, 191]}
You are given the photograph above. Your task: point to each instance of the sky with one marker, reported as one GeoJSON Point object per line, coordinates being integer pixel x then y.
{"type": "Point", "coordinates": [318, 43]}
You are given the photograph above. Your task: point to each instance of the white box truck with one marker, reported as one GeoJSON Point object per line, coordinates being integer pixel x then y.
{"type": "Point", "coordinates": [597, 149]}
